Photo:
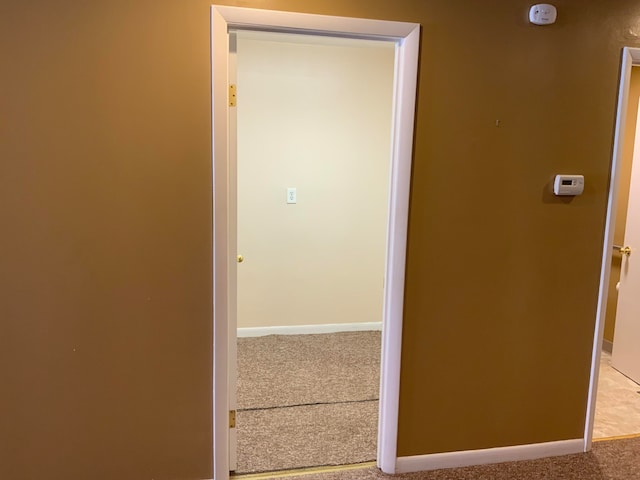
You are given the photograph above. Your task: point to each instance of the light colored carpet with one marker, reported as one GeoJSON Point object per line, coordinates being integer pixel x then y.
{"type": "Point", "coordinates": [609, 460]}
{"type": "Point", "coordinates": [295, 437]}
{"type": "Point", "coordinates": [617, 403]}
{"type": "Point", "coordinates": [280, 370]}
{"type": "Point", "coordinates": [307, 400]}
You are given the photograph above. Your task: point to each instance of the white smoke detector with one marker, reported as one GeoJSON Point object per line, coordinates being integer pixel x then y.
{"type": "Point", "coordinates": [543, 14]}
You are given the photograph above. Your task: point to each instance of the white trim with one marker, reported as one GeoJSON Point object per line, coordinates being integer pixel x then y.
{"type": "Point", "coordinates": [630, 56]}
{"type": "Point", "coordinates": [406, 36]}
{"type": "Point", "coordinates": [245, 332]}
{"type": "Point", "coordinates": [404, 108]}
{"type": "Point", "coordinates": [485, 456]}
{"type": "Point", "coordinates": [271, 20]}
{"type": "Point", "coordinates": [219, 148]}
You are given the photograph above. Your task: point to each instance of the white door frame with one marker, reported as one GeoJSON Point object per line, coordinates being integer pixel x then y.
{"type": "Point", "coordinates": [630, 57]}
{"type": "Point", "coordinates": [407, 39]}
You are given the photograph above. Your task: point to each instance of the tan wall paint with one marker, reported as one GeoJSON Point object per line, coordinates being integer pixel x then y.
{"type": "Point", "coordinates": [316, 115]}
{"type": "Point", "coordinates": [105, 208]}
{"type": "Point", "coordinates": [106, 221]}
{"type": "Point", "coordinates": [623, 200]}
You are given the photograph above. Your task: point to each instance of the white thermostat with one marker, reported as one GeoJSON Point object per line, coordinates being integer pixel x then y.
{"type": "Point", "coordinates": [568, 185]}
{"type": "Point", "coordinates": [543, 14]}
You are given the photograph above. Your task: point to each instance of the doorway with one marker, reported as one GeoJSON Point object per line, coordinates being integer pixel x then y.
{"type": "Point", "coordinates": [618, 403]}
{"type": "Point", "coordinates": [313, 117]}
{"type": "Point", "coordinates": [615, 378]}
{"type": "Point", "coordinates": [406, 39]}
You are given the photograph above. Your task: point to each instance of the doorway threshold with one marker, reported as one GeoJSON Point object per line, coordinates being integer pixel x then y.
{"type": "Point", "coordinates": [618, 437]}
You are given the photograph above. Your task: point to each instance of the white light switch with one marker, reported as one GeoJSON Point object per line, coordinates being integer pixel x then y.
{"type": "Point", "coordinates": [291, 195]}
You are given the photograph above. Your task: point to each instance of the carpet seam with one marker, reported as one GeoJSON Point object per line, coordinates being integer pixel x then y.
{"type": "Point", "coordinates": [345, 402]}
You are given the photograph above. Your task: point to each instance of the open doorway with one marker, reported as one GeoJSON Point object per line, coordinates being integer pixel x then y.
{"type": "Point", "coordinates": [618, 403]}
{"type": "Point", "coordinates": [313, 134]}
{"type": "Point", "coordinates": [616, 410]}
{"type": "Point", "coordinates": [406, 39]}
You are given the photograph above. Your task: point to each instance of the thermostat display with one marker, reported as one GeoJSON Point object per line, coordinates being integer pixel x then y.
{"type": "Point", "coordinates": [568, 185]}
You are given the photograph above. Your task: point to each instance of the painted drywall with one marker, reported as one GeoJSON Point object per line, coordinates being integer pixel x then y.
{"type": "Point", "coordinates": [314, 114]}
{"type": "Point", "coordinates": [105, 272]}
{"type": "Point", "coordinates": [105, 209]}
{"type": "Point", "coordinates": [623, 200]}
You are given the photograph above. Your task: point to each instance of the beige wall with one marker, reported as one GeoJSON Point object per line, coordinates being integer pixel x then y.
{"type": "Point", "coordinates": [314, 114]}
{"type": "Point", "coordinates": [623, 200]}
{"type": "Point", "coordinates": [105, 208]}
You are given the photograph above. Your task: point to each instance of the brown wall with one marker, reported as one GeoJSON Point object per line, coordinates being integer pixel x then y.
{"type": "Point", "coordinates": [105, 338]}
{"type": "Point", "coordinates": [105, 332]}
{"type": "Point", "coordinates": [623, 200]}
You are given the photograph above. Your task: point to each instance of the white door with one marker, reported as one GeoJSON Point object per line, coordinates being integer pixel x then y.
{"type": "Point", "coordinates": [626, 341]}
{"type": "Point", "coordinates": [233, 263]}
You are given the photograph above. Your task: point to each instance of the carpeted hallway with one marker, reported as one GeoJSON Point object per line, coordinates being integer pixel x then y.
{"type": "Point", "coordinates": [307, 400]}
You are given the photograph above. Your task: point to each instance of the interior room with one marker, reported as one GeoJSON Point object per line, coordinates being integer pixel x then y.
{"type": "Point", "coordinates": [313, 160]}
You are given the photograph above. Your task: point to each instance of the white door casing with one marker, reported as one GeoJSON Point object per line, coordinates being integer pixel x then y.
{"type": "Point", "coordinates": [406, 38]}
{"type": "Point", "coordinates": [626, 340]}
{"type": "Point", "coordinates": [221, 253]}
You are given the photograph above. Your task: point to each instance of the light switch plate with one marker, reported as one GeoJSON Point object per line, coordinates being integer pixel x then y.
{"type": "Point", "coordinates": [292, 196]}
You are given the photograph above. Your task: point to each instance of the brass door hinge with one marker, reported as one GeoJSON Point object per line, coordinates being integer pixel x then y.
{"type": "Point", "coordinates": [232, 95]}
{"type": "Point", "coordinates": [232, 419]}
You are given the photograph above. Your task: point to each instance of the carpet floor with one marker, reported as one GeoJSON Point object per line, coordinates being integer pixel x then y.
{"type": "Point", "coordinates": [609, 460]}
{"type": "Point", "coordinates": [343, 434]}
{"type": "Point", "coordinates": [285, 370]}
{"type": "Point", "coordinates": [307, 400]}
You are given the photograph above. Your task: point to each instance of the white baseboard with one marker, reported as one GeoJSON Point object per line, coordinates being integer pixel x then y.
{"type": "Point", "coordinates": [490, 455]}
{"type": "Point", "coordinates": [607, 345]}
{"type": "Point", "coordinates": [308, 329]}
